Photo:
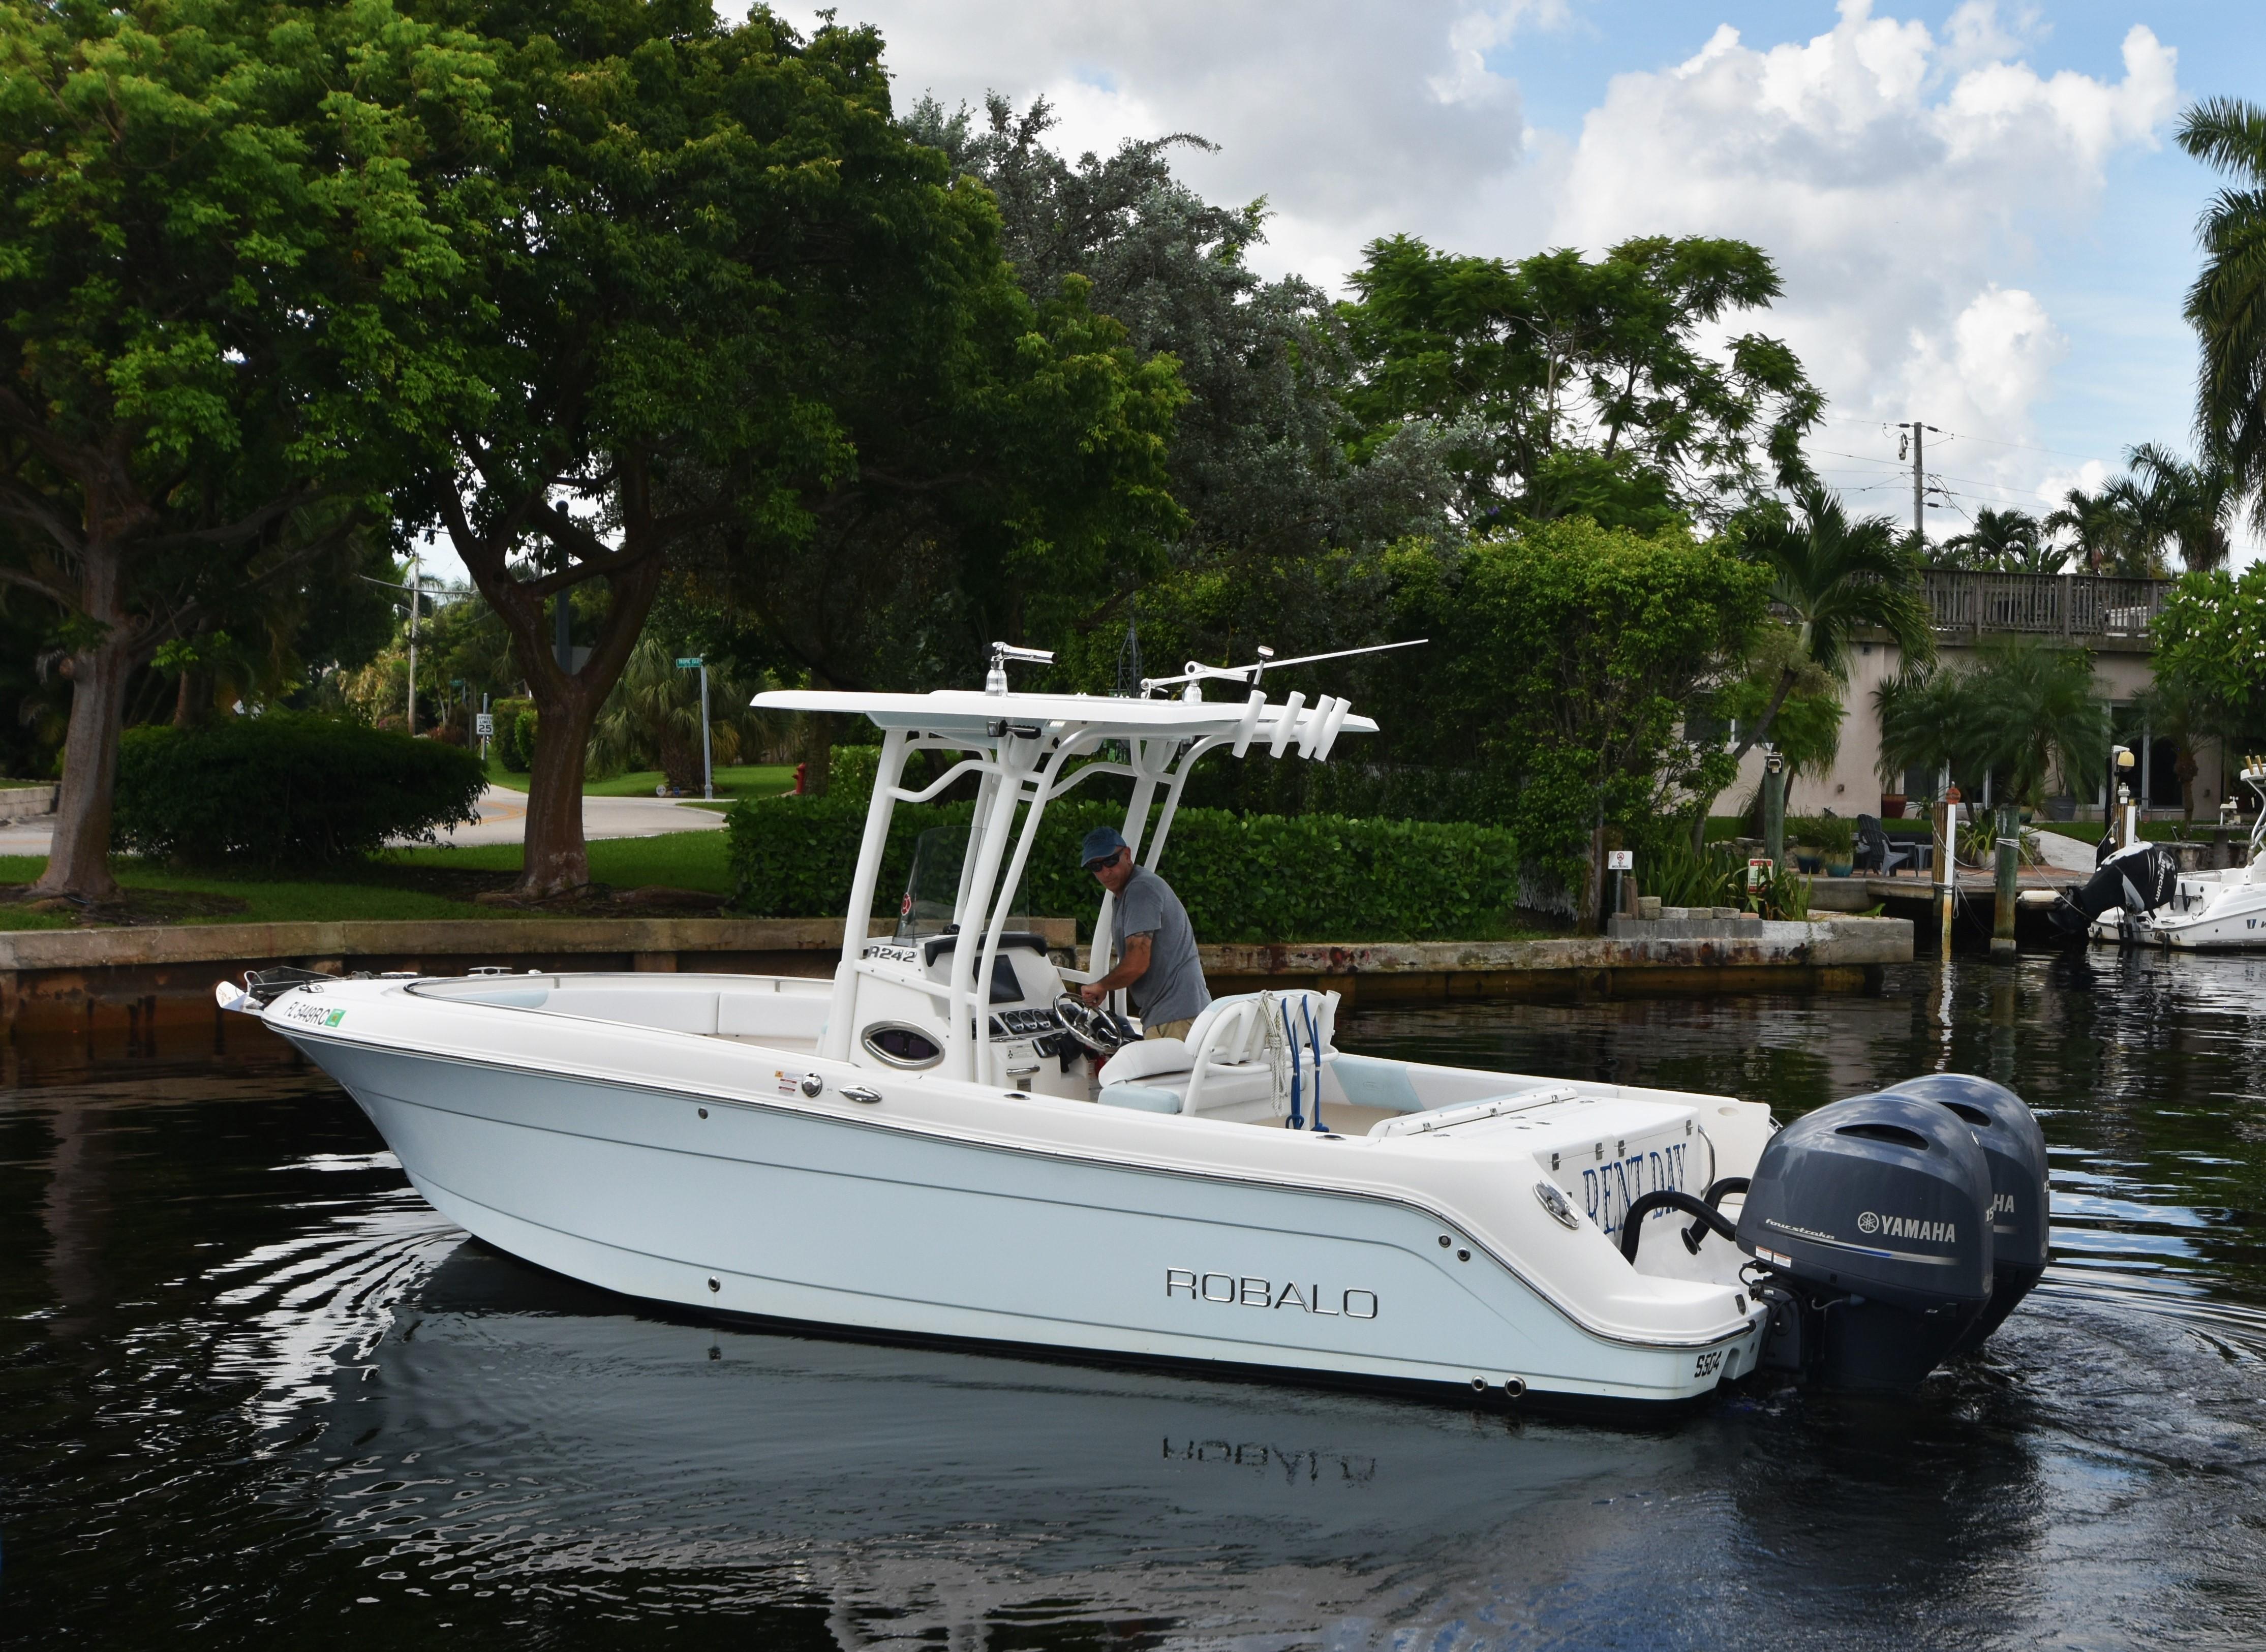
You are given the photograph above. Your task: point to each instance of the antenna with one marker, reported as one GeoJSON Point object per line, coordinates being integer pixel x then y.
{"type": "Point", "coordinates": [1194, 673]}
{"type": "Point", "coordinates": [995, 681]}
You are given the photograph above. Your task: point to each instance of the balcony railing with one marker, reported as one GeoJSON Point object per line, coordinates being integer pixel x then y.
{"type": "Point", "coordinates": [2076, 607]}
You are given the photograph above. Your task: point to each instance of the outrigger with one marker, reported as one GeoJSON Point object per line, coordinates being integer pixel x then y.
{"type": "Point", "coordinates": [942, 1142]}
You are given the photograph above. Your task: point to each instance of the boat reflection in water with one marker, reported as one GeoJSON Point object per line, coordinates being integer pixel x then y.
{"type": "Point", "coordinates": [541, 1437]}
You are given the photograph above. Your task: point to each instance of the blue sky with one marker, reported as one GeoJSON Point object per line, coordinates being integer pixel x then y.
{"type": "Point", "coordinates": [1976, 208]}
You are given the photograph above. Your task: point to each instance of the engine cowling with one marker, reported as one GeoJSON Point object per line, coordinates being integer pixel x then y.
{"type": "Point", "coordinates": [2135, 879]}
{"type": "Point", "coordinates": [1874, 1216]}
{"type": "Point", "coordinates": [2021, 1204]}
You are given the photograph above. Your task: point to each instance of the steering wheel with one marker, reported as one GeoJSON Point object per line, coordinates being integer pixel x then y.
{"type": "Point", "coordinates": [1100, 1032]}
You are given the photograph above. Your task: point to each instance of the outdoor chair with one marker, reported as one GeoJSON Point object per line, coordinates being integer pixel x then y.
{"type": "Point", "coordinates": [1877, 853]}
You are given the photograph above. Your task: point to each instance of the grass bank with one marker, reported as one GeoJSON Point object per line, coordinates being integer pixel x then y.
{"type": "Point", "coordinates": [765, 779]}
{"type": "Point", "coordinates": [406, 883]}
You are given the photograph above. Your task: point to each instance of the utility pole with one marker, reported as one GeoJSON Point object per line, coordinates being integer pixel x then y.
{"type": "Point", "coordinates": [1915, 436]}
{"type": "Point", "coordinates": [415, 583]}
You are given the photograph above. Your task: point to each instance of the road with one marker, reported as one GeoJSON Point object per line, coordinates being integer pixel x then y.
{"type": "Point", "coordinates": [503, 819]}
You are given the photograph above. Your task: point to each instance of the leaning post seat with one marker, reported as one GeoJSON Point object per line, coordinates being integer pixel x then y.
{"type": "Point", "coordinates": [1223, 1061]}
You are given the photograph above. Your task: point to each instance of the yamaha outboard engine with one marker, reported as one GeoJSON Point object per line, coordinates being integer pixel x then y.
{"type": "Point", "coordinates": [2137, 880]}
{"type": "Point", "coordinates": [2016, 1147]}
{"type": "Point", "coordinates": [1873, 1219]}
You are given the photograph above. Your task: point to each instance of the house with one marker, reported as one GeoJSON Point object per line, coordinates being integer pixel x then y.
{"type": "Point", "coordinates": [2109, 617]}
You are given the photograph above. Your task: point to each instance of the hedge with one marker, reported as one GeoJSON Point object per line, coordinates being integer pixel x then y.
{"type": "Point", "coordinates": [1247, 878]}
{"type": "Point", "coordinates": [287, 788]}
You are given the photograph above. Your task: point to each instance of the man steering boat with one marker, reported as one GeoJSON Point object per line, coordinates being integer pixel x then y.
{"type": "Point", "coordinates": [1156, 964]}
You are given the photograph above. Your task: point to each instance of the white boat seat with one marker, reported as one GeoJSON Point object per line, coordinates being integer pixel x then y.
{"type": "Point", "coordinates": [1222, 1062]}
{"type": "Point", "coordinates": [1147, 1059]}
{"type": "Point", "coordinates": [1366, 1081]}
{"type": "Point", "coordinates": [1142, 1098]}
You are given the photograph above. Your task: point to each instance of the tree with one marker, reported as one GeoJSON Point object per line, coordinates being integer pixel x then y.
{"type": "Point", "coordinates": [1565, 656]}
{"type": "Point", "coordinates": [2210, 652]}
{"type": "Point", "coordinates": [2004, 542]}
{"type": "Point", "coordinates": [705, 243]}
{"type": "Point", "coordinates": [2227, 306]}
{"type": "Point", "coordinates": [2187, 504]}
{"type": "Point", "coordinates": [1570, 387]}
{"type": "Point", "coordinates": [1278, 516]}
{"type": "Point", "coordinates": [651, 720]}
{"type": "Point", "coordinates": [224, 307]}
{"type": "Point", "coordinates": [2025, 709]}
{"type": "Point", "coordinates": [2111, 529]}
{"type": "Point", "coordinates": [1831, 578]}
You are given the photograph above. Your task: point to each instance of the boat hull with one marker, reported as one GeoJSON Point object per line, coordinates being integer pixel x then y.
{"type": "Point", "coordinates": [721, 1204]}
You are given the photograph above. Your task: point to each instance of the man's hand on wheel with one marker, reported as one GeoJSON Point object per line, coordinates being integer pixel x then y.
{"type": "Point", "coordinates": [1093, 992]}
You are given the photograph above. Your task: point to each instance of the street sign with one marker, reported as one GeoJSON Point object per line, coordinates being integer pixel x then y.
{"type": "Point", "coordinates": [484, 725]}
{"type": "Point", "coordinates": [1620, 859]}
{"type": "Point", "coordinates": [687, 665]}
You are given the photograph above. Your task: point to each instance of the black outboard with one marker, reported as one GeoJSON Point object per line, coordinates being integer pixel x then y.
{"type": "Point", "coordinates": [2137, 880]}
{"type": "Point", "coordinates": [1872, 1219]}
{"type": "Point", "coordinates": [2020, 1211]}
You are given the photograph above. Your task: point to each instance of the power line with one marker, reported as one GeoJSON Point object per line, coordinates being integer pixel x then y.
{"type": "Point", "coordinates": [1962, 435]}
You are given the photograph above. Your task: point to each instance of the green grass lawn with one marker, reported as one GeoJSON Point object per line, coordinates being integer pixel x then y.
{"type": "Point", "coordinates": [405, 884]}
{"type": "Point", "coordinates": [367, 894]}
{"type": "Point", "coordinates": [763, 780]}
{"type": "Point", "coordinates": [680, 860]}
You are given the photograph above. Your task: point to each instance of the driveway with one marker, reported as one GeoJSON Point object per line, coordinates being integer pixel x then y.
{"type": "Point", "coordinates": [503, 819]}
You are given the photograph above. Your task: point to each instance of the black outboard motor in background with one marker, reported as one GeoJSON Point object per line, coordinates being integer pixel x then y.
{"type": "Point", "coordinates": [1873, 1220]}
{"type": "Point", "coordinates": [2020, 1212]}
{"type": "Point", "coordinates": [2137, 880]}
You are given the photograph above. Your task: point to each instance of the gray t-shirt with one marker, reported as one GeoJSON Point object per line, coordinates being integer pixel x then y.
{"type": "Point", "coordinates": [1173, 990]}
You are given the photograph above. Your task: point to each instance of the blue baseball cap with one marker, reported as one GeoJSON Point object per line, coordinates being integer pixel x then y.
{"type": "Point", "coordinates": [1101, 844]}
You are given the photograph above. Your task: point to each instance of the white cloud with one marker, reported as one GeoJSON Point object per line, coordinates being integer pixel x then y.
{"type": "Point", "coordinates": [1353, 119]}
{"type": "Point", "coordinates": [1895, 192]}
{"type": "Point", "coordinates": [1901, 176]}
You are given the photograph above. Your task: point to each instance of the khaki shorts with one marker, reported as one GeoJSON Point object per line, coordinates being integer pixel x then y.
{"type": "Point", "coordinates": [1169, 1029]}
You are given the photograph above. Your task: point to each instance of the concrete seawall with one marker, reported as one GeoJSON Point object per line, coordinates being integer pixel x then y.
{"type": "Point", "coordinates": [118, 989]}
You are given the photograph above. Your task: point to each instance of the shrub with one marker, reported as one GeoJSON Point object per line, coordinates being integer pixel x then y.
{"type": "Point", "coordinates": [514, 733]}
{"type": "Point", "coordinates": [1836, 837]}
{"type": "Point", "coordinates": [1254, 878]}
{"type": "Point", "coordinates": [287, 787]}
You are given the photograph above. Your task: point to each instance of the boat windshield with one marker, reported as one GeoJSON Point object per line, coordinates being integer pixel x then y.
{"type": "Point", "coordinates": [933, 886]}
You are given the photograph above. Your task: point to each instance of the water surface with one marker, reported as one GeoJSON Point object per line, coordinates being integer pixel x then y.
{"type": "Point", "coordinates": [253, 1391]}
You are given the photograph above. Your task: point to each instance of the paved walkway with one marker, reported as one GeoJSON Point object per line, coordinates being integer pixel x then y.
{"type": "Point", "coordinates": [503, 819]}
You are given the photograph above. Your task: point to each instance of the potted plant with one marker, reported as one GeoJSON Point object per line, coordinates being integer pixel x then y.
{"type": "Point", "coordinates": [1836, 840]}
{"type": "Point", "coordinates": [1892, 805]}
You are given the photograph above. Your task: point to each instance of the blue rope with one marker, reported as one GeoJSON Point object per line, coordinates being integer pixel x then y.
{"type": "Point", "coordinates": [1295, 1121]}
{"type": "Point", "coordinates": [1313, 1034]}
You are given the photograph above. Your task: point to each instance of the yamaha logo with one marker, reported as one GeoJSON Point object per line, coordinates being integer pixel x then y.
{"type": "Point", "coordinates": [1908, 1227]}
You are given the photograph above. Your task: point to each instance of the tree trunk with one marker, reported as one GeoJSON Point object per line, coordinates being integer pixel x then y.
{"type": "Point", "coordinates": [817, 751]}
{"type": "Point", "coordinates": [78, 856]}
{"type": "Point", "coordinates": [192, 699]}
{"type": "Point", "coordinates": [556, 860]}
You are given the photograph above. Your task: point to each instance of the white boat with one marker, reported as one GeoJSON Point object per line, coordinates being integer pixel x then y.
{"type": "Point", "coordinates": [2140, 898]}
{"type": "Point", "coordinates": [939, 1142]}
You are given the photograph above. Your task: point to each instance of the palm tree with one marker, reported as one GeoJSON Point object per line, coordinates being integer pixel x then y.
{"type": "Point", "coordinates": [2035, 708]}
{"type": "Point", "coordinates": [2227, 306]}
{"type": "Point", "coordinates": [1831, 579]}
{"type": "Point", "coordinates": [2189, 506]}
{"type": "Point", "coordinates": [1834, 578]}
{"type": "Point", "coordinates": [652, 719]}
{"type": "Point", "coordinates": [2024, 711]}
{"type": "Point", "coordinates": [2112, 528]}
{"type": "Point", "coordinates": [2007, 542]}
